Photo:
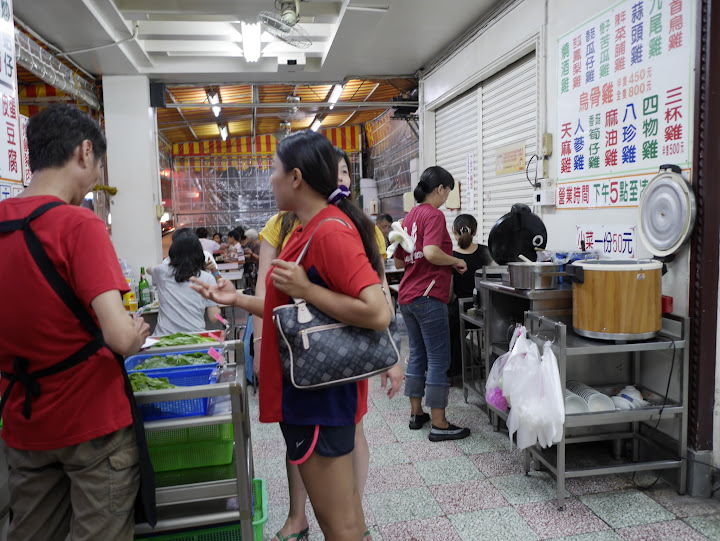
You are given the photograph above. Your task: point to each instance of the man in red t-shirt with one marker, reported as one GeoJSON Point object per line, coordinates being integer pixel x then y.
{"type": "Point", "coordinates": [74, 459]}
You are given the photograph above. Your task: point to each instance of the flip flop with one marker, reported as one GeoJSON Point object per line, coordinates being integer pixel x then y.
{"type": "Point", "coordinates": [366, 534]}
{"type": "Point", "coordinates": [300, 536]}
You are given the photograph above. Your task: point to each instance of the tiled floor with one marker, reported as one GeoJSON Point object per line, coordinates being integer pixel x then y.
{"type": "Point", "coordinates": [475, 489]}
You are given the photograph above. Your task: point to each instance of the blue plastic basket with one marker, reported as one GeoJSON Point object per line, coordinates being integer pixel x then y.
{"type": "Point", "coordinates": [134, 360]}
{"type": "Point", "coordinates": [189, 376]}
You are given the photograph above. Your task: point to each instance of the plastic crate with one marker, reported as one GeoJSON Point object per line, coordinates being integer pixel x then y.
{"type": "Point", "coordinates": [191, 476]}
{"type": "Point", "coordinates": [229, 532]}
{"type": "Point", "coordinates": [177, 436]}
{"type": "Point", "coordinates": [134, 360]}
{"type": "Point", "coordinates": [191, 455]}
{"type": "Point", "coordinates": [189, 376]}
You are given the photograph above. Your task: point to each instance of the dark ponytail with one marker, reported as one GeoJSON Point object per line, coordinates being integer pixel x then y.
{"type": "Point", "coordinates": [186, 257]}
{"type": "Point", "coordinates": [314, 155]}
{"type": "Point", "coordinates": [431, 178]}
{"type": "Point", "coordinates": [286, 225]}
{"type": "Point", "coordinates": [465, 226]}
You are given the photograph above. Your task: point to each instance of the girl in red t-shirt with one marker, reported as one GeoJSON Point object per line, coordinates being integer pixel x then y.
{"type": "Point", "coordinates": [340, 275]}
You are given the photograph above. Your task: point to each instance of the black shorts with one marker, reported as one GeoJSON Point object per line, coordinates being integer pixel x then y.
{"type": "Point", "coordinates": [328, 441]}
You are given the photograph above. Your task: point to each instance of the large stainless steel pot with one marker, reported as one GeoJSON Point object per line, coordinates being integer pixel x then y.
{"type": "Point", "coordinates": [533, 275]}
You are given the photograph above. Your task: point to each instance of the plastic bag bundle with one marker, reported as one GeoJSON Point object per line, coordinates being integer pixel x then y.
{"type": "Point", "coordinates": [536, 394]}
{"type": "Point", "coordinates": [493, 387]}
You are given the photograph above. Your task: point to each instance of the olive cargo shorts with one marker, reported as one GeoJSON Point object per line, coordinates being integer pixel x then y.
{"type": "Point", "coordinates": [87, 490]}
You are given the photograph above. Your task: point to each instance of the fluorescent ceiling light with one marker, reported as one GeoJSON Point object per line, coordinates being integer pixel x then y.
{"type": "Point", "coordinates": [223, 131]}
{"type": "Point", "coordinates": [316, 125]}
{"type": "Point", "coordinates": [214, 99]}
{"type": "Point", "coordinates": [251, 33]}
{"type": "Point", "coordinates": [335, 95]}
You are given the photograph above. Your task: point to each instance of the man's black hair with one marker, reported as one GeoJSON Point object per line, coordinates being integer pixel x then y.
{"type": "Point", "coordinates": [202, 232]}
{"type": "Point", "coordinates": [55, 132]}
{"type": "Point", "coordinates": [384, 218]}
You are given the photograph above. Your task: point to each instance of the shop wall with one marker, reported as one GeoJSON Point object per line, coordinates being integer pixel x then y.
{"type": "Point", "coordinates": [537, 25]}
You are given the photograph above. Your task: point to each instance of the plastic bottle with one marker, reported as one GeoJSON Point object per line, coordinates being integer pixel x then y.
{"type": "Point", "coordinates": [143, 289]}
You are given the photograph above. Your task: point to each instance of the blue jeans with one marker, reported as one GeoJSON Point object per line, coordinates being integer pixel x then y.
{"type": "Point", "coordinates": [429, 336]}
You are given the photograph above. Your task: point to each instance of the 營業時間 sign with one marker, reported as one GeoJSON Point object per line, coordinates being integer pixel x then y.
{"type": "Point", "coordinates": [623, 95]}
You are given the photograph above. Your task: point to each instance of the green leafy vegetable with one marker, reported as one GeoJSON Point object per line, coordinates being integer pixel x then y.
{"type": "Point", "coordinates": [185, 359]}
{"type": "Point", "coordinates": [182, 339]}
{"type": "Point", "coordinates": [140, 382]}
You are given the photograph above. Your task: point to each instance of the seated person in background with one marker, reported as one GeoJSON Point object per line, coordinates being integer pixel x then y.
{"type": "Point", "coordinates": [251, 244]}
{"type": "Point", "coordinates": [181, 308]}
{"type": "Point", "coordinates": [210, 264]}
{"type": "Point", "coordinates": [207, 244]}
{"type": "Point", "coordinates": [235, 250]}
{"type": "Point", "coordinates": [476, 256]}
{"type": "Point", "coordinates": [383, 222]}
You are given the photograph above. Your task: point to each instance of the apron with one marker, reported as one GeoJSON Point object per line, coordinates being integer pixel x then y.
{"type": "Point", "coordinates": [145, 502]}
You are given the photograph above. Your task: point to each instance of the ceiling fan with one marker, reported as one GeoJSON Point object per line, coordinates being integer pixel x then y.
{"type": "Point", "coordinates": [283, 132]}
{"type": "Point", "coordinates": [293, 111]}
{"type": "Point", "coordinates": [283, 23]}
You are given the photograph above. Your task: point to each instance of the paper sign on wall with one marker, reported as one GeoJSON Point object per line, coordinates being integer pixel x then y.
{"type": "Point", "coordinates": [470, 180]}
{"type": "Point", "coordinates": [624, 91]}
{"type": "Point", "coordinates": [611, 241]}
{"type": "Point", "coordinates": [510, 159]}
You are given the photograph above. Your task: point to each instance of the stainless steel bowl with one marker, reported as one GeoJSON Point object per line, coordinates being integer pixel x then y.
{"type": "Point", "coordinates": [534, 275]}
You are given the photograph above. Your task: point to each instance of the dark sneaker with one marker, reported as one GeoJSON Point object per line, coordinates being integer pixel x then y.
{"type": "Point", "coordinates": [452, 432]}
{"type": "Point", "coordinates": [417, 421]}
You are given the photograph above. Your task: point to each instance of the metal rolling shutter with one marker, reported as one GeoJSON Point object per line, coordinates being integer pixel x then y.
{"type": "Point", "coordinates": [509, 115]}
{"type": "Point", "coordinates": [456, 135]}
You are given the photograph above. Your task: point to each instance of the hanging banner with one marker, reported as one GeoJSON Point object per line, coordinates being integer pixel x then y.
{"type": "Point", "coordinates": [10, 153]}
{"type": "Point", "coordinates": [624, 91]}
{"type": "Point", "coordinates": [612, 241]}
{"type": "Point", "coordinates": [26, 172]}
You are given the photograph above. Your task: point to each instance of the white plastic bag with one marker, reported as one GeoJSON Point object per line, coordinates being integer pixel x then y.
{"type": "Point", "coordinates": [515, 364]}
{"type": "Point", "coordinates": [522, 390]}
{"type": "Point", "coordinates": [554, 398]}
{"type": "Point", "coordinates": [538, 406]}
{"type": "Point", "coordinates": [493, 388]}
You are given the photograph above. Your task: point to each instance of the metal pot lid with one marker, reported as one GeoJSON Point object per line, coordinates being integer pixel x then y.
{"type": "Point", "coordinates": [517, 232]}
{"type": "Point", "coordinates": [666, 212]}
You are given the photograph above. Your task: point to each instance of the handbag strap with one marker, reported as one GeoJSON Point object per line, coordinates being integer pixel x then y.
{"type": "Point", "coordinates": [307, 247]}
{"type": "Point", "coordinates": [307, 244]}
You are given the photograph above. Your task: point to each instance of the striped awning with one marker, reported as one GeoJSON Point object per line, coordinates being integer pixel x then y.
{"type": "Point", "coordinates": [347, 138]}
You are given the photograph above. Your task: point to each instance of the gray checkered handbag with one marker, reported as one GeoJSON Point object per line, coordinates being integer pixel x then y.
{"type": "Point", "coordinates": [318, 351]}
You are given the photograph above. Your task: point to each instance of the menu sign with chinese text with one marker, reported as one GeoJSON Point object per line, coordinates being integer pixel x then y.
{"type": "Point", "coordinates": [10, 153]}
{"type": "Point", "coordinates": [611, 241]}
{"type": "Point", "coordinates": [624, 94]}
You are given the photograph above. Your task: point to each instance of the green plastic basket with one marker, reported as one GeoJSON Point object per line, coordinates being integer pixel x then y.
{"type": "Point", "coordinates": [178, 436]}
{"type": "Point", "coordinates": [191, 455]}
{"type": "Point", "coordinates": [229, 532]}
{"type": "Point", "coordinates": [191, 476]}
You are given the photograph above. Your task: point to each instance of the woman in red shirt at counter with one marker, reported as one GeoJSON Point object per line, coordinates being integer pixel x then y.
{"type": "Point", "coordinates": [340, 275]}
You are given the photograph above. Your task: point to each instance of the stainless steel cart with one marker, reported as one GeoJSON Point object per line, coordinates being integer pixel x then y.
{"type": "Point", "coordinates": [205, 504]}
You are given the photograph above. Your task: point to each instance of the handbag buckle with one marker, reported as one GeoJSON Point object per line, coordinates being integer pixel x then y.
{"type": "Point", "coordinates": [304, 315]}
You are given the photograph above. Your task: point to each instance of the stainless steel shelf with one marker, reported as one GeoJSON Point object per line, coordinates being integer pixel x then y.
{"type": "Point", "coordinates": [564, 292]}
{"type": "Point", "coordinates": [198, 492]}
{"type": "Point", "coordinates": [188, 422]}
{"type": "Point", "coordinates": [621, 416]}
{"type": "Point", "coordinates": [579, 345]}
{"type": "Point", "coordinates": [189, 521]}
